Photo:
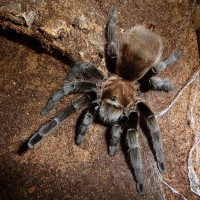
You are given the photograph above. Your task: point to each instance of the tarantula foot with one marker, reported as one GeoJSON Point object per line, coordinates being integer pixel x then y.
{"type": "Point", "coordinates": [79, 139]}
{"type": "Point", "coordinates": [161, 167]}
{"type": "Point", "coordinates": [34, 140]}
{"type": "Point", "coordinates": [112, 150]}
{"type": "Point", "coordinates": [161, 84]}
{"type": "Point", "coordinates": [52, 102]}
{"type": "Point", "coordinates": [47, 108]}
{"type": "Point", "coordinates": [178, 53]}
{"type": "Point", "coordinates": [140, 188]}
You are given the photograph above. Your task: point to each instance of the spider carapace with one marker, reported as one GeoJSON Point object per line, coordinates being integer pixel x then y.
{"type": "Point", "coordinates": [115, 99]}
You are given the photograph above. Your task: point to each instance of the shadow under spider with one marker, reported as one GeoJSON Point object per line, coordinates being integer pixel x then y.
{"type": "Point", "coordinates": [23, 148]}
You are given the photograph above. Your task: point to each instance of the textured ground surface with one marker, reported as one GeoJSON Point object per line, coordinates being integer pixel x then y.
{"type": "Point", "coordinates": [29, 74]}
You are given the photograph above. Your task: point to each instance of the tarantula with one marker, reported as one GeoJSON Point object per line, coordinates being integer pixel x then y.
{"type": "Point", "coordinates": [114, 99]}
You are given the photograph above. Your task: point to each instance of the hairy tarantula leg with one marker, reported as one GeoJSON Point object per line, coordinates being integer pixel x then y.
{"type": "Point", "coordinates": [111, 29]}
{"type": "Point", "coordinates": [134, 153]}
{"type": "Point", "coordinates": [161, 84]}
{"type": "Point", "coordinates": [154, 132]}
{"type": "Point", "coordinates": [84, 69]}
{"type": "Point", "coordinates": [86, 121]}
{"type": "Point", "coordinates": [145, 85]}
{"type": "Point", "coordinates": [161, 66]}
{"type": "Point", "coordinates": [157, 83]}
{"type": "Point", "coordinates": [48, 127]}
{"type": "Point", "coordinates": [116, 131]}
{"type": "Point", "coordinates": [82, 86]}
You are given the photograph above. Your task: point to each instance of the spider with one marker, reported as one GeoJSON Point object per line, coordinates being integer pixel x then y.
{"type": "Point", "coordinates": [114, 100]}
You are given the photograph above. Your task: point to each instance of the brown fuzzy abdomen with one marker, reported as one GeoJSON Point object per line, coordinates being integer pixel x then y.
{"type": "Point", "coordinates": [138, 50]}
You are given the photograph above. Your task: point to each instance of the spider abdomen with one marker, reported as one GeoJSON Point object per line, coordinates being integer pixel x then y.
{"type": "Point", "coordinates": [138, 50]}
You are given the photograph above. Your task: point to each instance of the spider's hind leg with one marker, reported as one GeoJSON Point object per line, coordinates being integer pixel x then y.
{"type": "Point", "coordinates": [161, 66]}
{"type": "Point", "coordinates": [111, 32]}
{"type": "Point", "coordinates": [157, 83]}
{"type": "Point", "coordinates": [111, 45]}
{"type": "Point", "coordinates": [148, 81]}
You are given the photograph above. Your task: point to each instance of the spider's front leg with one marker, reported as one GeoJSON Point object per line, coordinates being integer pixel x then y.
{"type": "Point", "coordinates": [133, 151]}
{"type": "Point", "coordinates": [48, 127]}
{"type": "Point", "coordinates": [87, 119]}
{"type": "Point", "coordinates": [116, 131]}
{"type": "Point", "coordinates": [148, 81]}
{"type": "Point", "coordinates": [81, 86]}
{"type": "Point", "coordinates": [154, 130]}
{"type": "Point", "coordinates": [85, 69]}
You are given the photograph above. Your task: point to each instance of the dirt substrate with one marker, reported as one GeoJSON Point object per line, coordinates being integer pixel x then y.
{"type": "Point", "coordinates": [34, 60]}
